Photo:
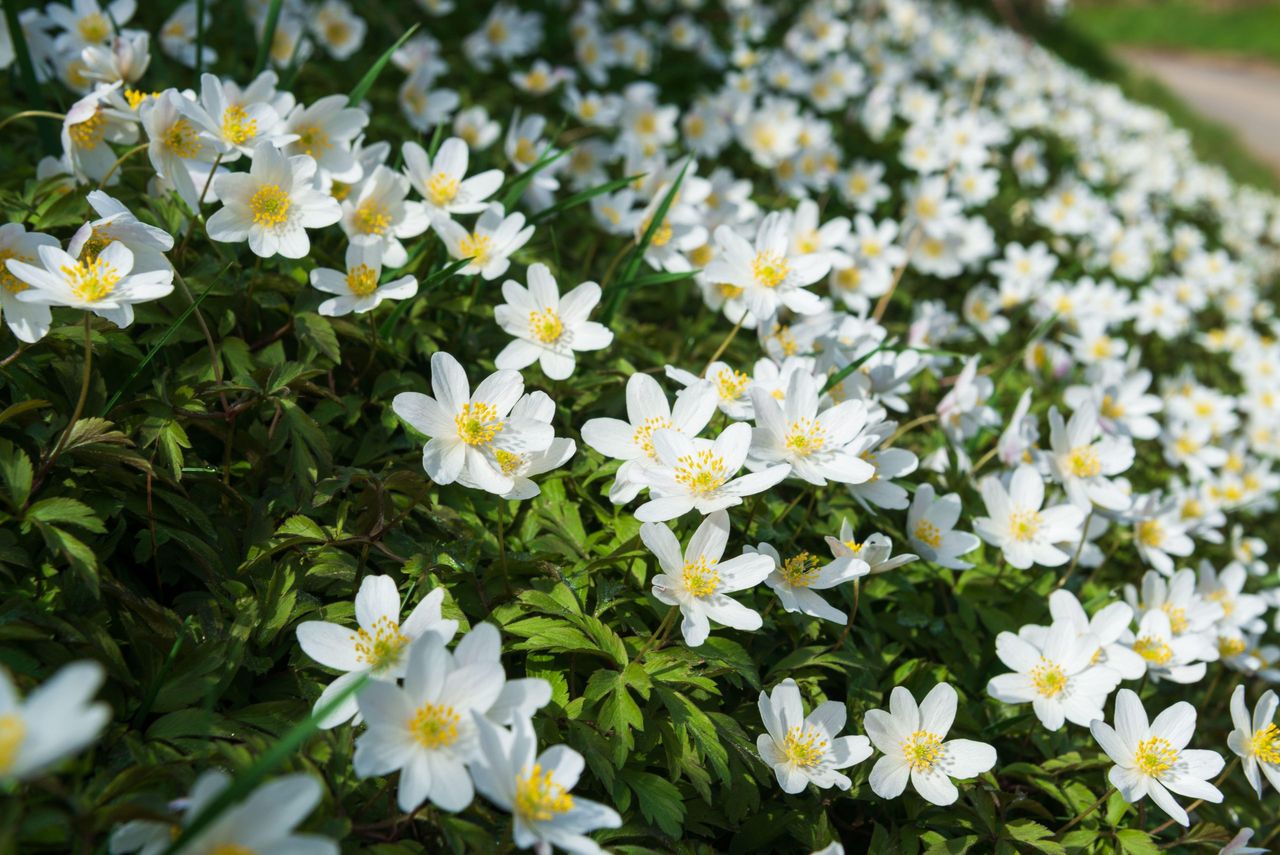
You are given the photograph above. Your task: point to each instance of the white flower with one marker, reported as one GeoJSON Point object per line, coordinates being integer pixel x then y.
{"type": "Point", "coordinates": [357, 289]}
{"type": "Point", "coordinates": [1166, 655]}
{"type": "Point", "coordinates": [535, 789]}
{"type": "Point", "coordinates": [815, 446]}
{"type": "Point", "coordinates": [468, 430]}
{"type": "Point", "coordinates": [442, 181]}
{"type": "Point", "coordinates": [930, 523]}
{"type": "Point", "coordinates": [1083, 463]}
{"type": "Point", "coordinates": [490, 245]}
{"type": "Point", "coordinates": [796, 580]}
{"type": "Point", "coordinates": [426, 730]}
{"type": "Point", "coordinates": [1239, 845]}
{"type": "Point", "coordinates": [104, 285]}
{"type": "Point", "coordinates": [699, 582]}
{"type": "Point", "coordinates": [889, 463]}
{"type": "Point", "coordinates": [1152, 758]}
{"type": "Point", "coordinates": [1108, 626]}
{"type": "Point", "coordinates": [117, 223]}
{"type": "Point", "coordinates": [175, 142]}
{"type": "Point", "coordinates": [875, 551]}
{"type": "Point", "coordinates": [519, 466]}
{"type": "Point", "coordinates": [263, 822]}
{"type": "Point", "coordinates": [1058, 677]}
{"type": "Point", "coordinates": [1026, 534]}
{"type": "Point", "coordinates": [648, 410]}
{"type": "Point", "coordinates": [237, 122]}
{"type": "Point", "coordinates": [699, 473]}
{"type": "Point", "coordinates": [377, 647]}
{"type": "Point", "coordinates": [272, 205]}
{"type": "Point", "coordinates": [910, 737]}
{"type": "Point", "coordinates": [548, 328]}
{"type": "Point", "coordinates": [90, 125]}
{"type": "Point", "coordinates": [1256, 740]}
{"type": "Point", "coordinates": [28, 321]}
{"type": "Point", "coordinates": [325, 132]}
{"type": "Point", "coordinates": [58, 719]}
{"type": "Point", "coordinates": [805, 749]}
{"type": "Point", "coordinates": [340, 30]}
{"type": "Point", "coordinates": [379, 214]}
{"type": "Point", "coordinates": [768, 274]}
{"type": "Point", "coordinates": [423, 106]}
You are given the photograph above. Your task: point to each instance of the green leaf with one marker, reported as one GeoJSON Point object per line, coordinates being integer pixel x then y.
{"type": "Point", "coordinates": [660, 800]}
{"type": "Point", "coordinates": [584, 196]}
{"type": "Point", "coordinates": [1135, 841]}
{"type": "Point", "coordinates": [244, 783]}
{"type": "Point", "coordinates": [316, 331]}
{"type": "Point", "coordinates": [362, 88]}
{"type": "Point", "coordinates": [268, 37]}
{"type": "Point", "coordinates": [15, 468]}
{"type": "Point", "coordinates": [65, 510]}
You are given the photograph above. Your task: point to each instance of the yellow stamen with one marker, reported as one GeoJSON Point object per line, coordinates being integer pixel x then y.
{"type": "Point", "coordinates": [922, 750]}
{"type": "Point", "coordinates": [1265, 744]}
{"type": "Point", "coordinates": [12, 732]}
{"type": "Point", "coordinates": [181, 139]}
{"type": "Point", "coordinates": [702, 472]}
{"type": "Point", "coordinates": [1083, 462]}
{"type": "Point", "coordinates": [805, 437]}
{"type": "Point", "coordinates": [434, 726]}
{"type": "Point", "coordinates": [539, 798]}
{"type": "Point", "coordinates": [383, 646]}
{"type": "Point", "coordinates": [477, 423]}
{"type": "Point", "coordinates": [927, 532]}
{"type": "Point", "coordinates": [1153, 650]}
{"type": "Point", "coordinates": [769, 269]}
{"type": "Point", "coordinates": [237, 127]}
{"type": "Point", "coordinates": [801, 570]}
{"type": "Point", "coordinates": [804, 747]}
{"type": "Point", "coordinates": [643, 435]}
{"type": "Point", "coordinates": [441, 189]}
{"type": "Point", "coordinates": [1024, 524]}
{"type": "Point", "coordinates": [1155, 756]}
{"type": "Point", "coordinates": [546, 326]}
{"type": "Point", "coordinates": [372, 218]}
{"type": "Point", "coordinates": [1048, 678]}
{"type": "Point", "coordinates": [92, 280]}
{"type": "Point", "coordinates": [699, 579]}
{"type": "Point", "coordinates": [270, 205]}
{"type": "Point", "coordinates": [362, 280]}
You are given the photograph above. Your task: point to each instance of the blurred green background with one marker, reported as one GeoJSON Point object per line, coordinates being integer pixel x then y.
{"type": "Point", "coordinates": [1093, 31]}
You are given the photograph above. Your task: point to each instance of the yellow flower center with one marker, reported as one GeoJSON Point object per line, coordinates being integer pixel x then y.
{"type": "Point", "coordinates": [702, 256]}
{"type": "Point", "coordinates": [1265, 744]}
{"type": "Point", "coordinates": [8, 281]}
{"type": "Point", "coordinates": [804, 747]}
{"type": "Point", "coordinates": [237, 127]}
{"type": "Point", "coordinates": [1154, 650]}
{"type": "Point", "coordinates": [1155, 756]}
{"type": "Point", "coordinates": [434, 726]}
{"type": "Point", "coordinates": [181, 139]}
{"type": "Point", "coordinates": [94, 27]}
{"type": "Point", "coordinates": [525, 152]}
{"type": "Point", "coordinates": [496, 32]}
{"type": "Point", "coordinates": [232, 849]}
{"type": "Point", "coordinates": [382, 647]}
{"type": "Point", "coordinates": [1024, 524]}
{"type": "Point", "coordinates": [661, 235]}
{"type": "Point", "coordinates": [801, 570]}
{"type": "Point", "coordinates": [702, 472]}
{"type": "Point", "coordinates": [508, 461]}
{"type": "Point", "coordinates": [92, 280]}
{"type": "Point", "coordinates": [474, 246]}
{"type": "Point", "coordinates": [927, 532]}
{"type": "Point", "coordinates": [805, 437]}
{"type": "Point", "coordinates": [853, 546]}
{"type": "Point", "coordinates": [769, 269]}
{"type": "Point", "coordinates": [372, 218]}
{"type": "Point", "coordinates": [1177, 618]}
{"type": "Point", "coordinates": [313, 139]}
{"type": "Point", "coordinates": [136, 97]}
{"type": "Point", "coordinates": [1083, 462]}
{"type": "Point", "coordinates": [1048, 678]}
{"type": "Point", "coordinates": [89, 133]}
{"type": "Point", "coordinates": [362, 280]}
{"type": "Point", "coordinates": [731, 384]}
{"type": "Point", "coordinates": [336, 32]}
{"type": "Point", "coordinates": [340, 190]}
{"type": "Point", "coordinates": [1229, 648]}
{"type": "Point", "coordinates": [699, 579]}
{"type": "Point", "coordinates": [539, 798]}
{"type": "Point", "coordinates": [546, 326]}
{"type": "Point", "coordinates": [1149, 532]}
{"type": "Point", "coordinates": [1110, 408]}
{"type": "Point", "coordinates": [728, 291]}
{"type": "Point", "coordinates": [441, 189]}
{"type": "Point", "coordinates": [1223, 598]}
{"type": "Point", "coordinates": [643, 435]}
{"type": "Point", "coordinates": [12, 732]}
{"type": "Point", "coordinates": [477, 423]}
{"type": "Point", "coordinates": [270, 205]}
{"type": "Point", "coordinates": [922, 750]}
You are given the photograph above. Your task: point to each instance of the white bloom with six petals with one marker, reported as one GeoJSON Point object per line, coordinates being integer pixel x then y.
{"type": "Point", "coordinates": [548, 328]}
{"type": "Point", "coordinates": [806, 749]}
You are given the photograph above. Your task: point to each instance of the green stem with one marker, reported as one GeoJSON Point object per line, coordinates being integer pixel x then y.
{"type": "Point", "coordinates": [660, 631]}
{"type": "Point", "coordinates": [76, 413]}
{"type": "Point", "coordinates": [1090, 809]}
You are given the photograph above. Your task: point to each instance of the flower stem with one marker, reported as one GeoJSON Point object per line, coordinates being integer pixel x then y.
{"type": "Point", "coordinates": [662, 630]}
{"type": "Point", "coordinates": [128, 154]}
{"type": "Point", "coordinates": [1075, 559]}
{"type": "Point", "coordinates": [1218, 783]}
{"type": "Point", "coordinates": [502, 543]}
{"type": "Point", "coordinates": [724, 344]}
{"type": "Point", "coordinates": [1090, 809]}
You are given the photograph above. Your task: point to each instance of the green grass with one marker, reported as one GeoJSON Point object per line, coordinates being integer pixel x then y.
{"type": "Point", "coordinates": [1245, 29]}
{"type": "Point", "coordinates": [1083, 39]}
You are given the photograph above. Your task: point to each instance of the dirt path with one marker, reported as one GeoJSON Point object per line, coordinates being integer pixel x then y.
{"type": "Point", "coordinates": [1243, 94]}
